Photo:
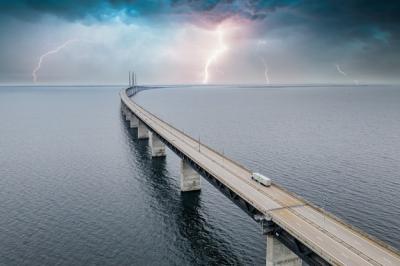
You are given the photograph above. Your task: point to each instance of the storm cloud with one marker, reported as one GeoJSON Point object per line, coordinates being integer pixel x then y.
{"type": "Point", "coordinates": [300, 36]}
{"type": "Point", "coordinates": [339, 13]}
{"type": "Point", "coordinates": [103, 10]}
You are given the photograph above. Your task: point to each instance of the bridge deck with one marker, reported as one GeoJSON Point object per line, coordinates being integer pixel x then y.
{"type": "Point", "coordinates": [333, 240]}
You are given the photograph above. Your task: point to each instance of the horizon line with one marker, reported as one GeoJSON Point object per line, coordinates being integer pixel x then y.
{"type": "Point", "coordinates": [194, 84]}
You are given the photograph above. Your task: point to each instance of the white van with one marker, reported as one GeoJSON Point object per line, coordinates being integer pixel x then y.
{"type": "Point", "coordinates": [263, 180]}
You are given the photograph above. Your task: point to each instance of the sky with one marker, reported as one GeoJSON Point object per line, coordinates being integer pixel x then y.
{"type": "Point", "coordinates": [200, 42]}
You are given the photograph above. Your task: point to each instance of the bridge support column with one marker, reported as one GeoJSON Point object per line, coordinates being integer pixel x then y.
{"type": "Point", "coordinates": [134, 121]}
{"type": "Point", "coordinates": [279, 254]}
{"type": "Point", "coordinates": [127, 114]}
{"type": "Point", "coordinates": [143, 132]}
{"type": "Point", "coordinates": [190, 179]}
{"type": "Point", "coordinates": [157, 147]}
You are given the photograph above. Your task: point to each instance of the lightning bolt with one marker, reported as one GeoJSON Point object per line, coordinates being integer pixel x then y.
{"type": "Point", "coordinates": [264, 62]}
{"type": "Point", "coordinates": [216, 53]}
{"type": "Point", "coordinates": [265, 70]}
{"type": "Point", "coordinates": [43, 56]}
{"type": "Point", "coordinates": [356, 82]}
{"type": "Point", "coordinates": [340, 70]}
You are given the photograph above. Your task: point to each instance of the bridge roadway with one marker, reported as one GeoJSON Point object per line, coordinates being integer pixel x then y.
{"type": "Point", "coordinates": [333, 240]}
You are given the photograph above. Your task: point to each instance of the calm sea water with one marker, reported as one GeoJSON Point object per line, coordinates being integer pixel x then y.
{"type": "Point", "coordinates": [77, 188]}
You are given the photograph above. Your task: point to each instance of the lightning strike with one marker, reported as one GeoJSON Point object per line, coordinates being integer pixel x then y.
{"type": "Point", "coordinates": [222, 47]}
{"type": "Point", "coordinates": [356, 82]}
{"type": "Point", "coordinates": [340, 70]}
{"type": "Point", "coordinates": [264, 62]}
{"type": "Point", "coordinates": [43, 56]}
{"type": "Point", "coordinates": [265, 71]}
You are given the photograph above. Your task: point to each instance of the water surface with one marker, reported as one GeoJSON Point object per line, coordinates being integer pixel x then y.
{"type": "Point", "coordinates": [77, 188]}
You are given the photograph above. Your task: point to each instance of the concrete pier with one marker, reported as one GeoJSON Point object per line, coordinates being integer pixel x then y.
{"type": "Point", "coordinates": [279, 254]}
{"type": "Point", "coordinates": [157, 147]}
{"type": "Point", "coordinates": [127, 114]}
{"type": "Point", "coordinates": [190, 179]}
{"type": "Point", "coordinates": [143, 132]}
{"type": "Point", "coordinates": [134, 121]}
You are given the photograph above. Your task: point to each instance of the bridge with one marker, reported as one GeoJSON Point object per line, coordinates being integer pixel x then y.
{"type": "Point", "coordinates": [296, 231]}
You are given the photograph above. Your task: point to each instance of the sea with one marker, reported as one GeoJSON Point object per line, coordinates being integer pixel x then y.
{"type": "Point", "coordinates": [78, 188]}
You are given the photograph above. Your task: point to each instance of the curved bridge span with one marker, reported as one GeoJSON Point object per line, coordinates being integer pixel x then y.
{"type": "Point", "coordinates": [296, 231]}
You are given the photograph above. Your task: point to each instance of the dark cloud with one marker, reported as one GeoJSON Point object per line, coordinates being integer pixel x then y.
{"type": "Point", "coordinates": [106, 9]}
{"type": "Point", "coordinates": [354, 19]}
{"type": "Point", "coordinates": [348, 18]}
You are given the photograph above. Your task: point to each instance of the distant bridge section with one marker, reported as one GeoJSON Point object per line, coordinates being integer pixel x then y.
{"type": "Point", "coordinates": [296, 231]}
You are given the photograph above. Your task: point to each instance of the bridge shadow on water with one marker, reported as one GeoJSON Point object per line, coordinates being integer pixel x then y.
{"type": "Point", "coordinates": [180, 210]}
